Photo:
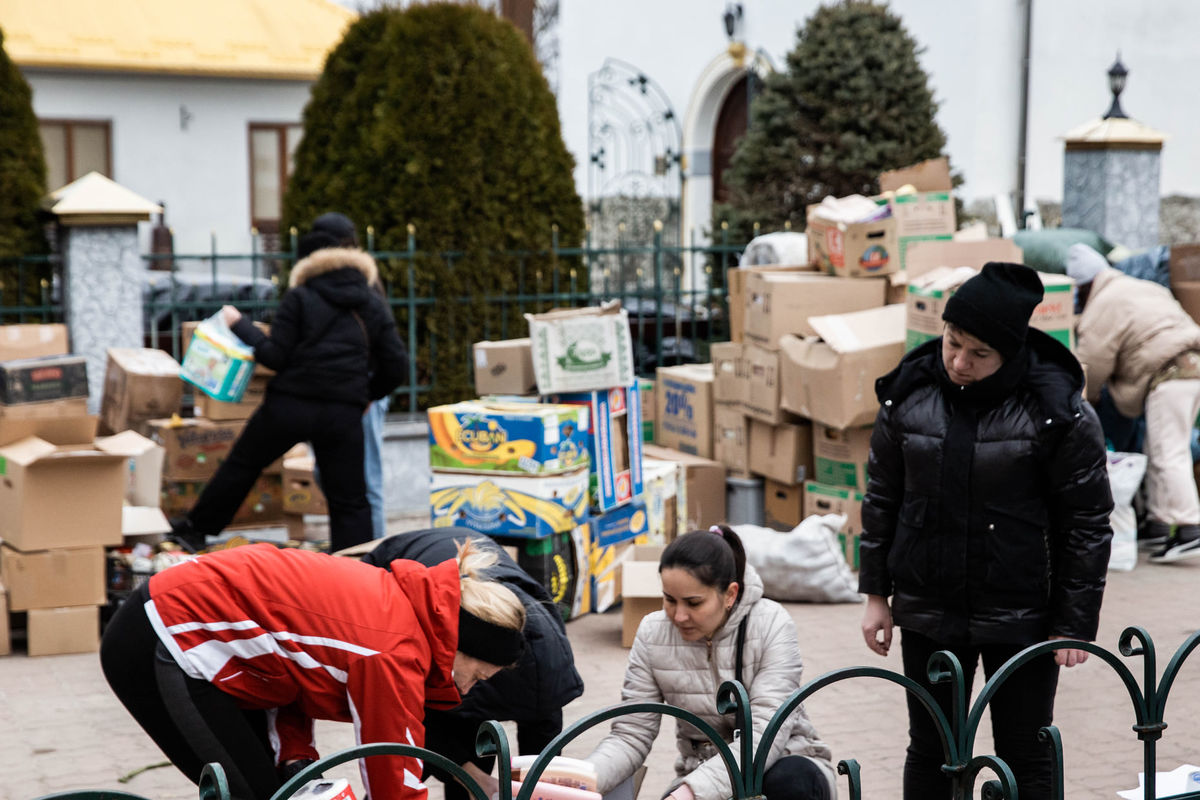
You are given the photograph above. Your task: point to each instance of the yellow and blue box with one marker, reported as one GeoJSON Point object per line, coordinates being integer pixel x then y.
{"type": "Point", "coordinates": [614, 443]}
{"type": "Point", "coordinates": [509, 505]}
{"type": "Point", "coordinates": [522, 438]}
{"type": "Point", "coordinates": [613, 534]}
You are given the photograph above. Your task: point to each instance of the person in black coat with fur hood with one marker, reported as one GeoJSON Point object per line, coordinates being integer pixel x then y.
{"type": "Point", "coordinates": [985, 518]}
{"type": "Point", "coordinates": [532, 693]}
{"type": "Point", "coordinates": [334, 348]}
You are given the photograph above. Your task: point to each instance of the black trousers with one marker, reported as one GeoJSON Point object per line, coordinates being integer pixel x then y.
{"type": "Point", "coordinates": [795, 778]}
{"type": "Point", "coordinates": [1024, 703]}
{"type": "Point", "coordinates": [190, 720]}
{"type": "Point", "coordinates": [282, 421]}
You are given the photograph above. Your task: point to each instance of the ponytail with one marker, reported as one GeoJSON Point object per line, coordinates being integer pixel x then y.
{"type": "Point", "coordinates": [714, 557]}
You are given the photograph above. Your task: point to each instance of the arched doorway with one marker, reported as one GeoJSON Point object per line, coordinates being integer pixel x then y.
{"type": "Point", "coordinates": [732, 122]}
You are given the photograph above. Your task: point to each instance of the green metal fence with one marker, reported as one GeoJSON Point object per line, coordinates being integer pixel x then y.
{"type": "Point", "coordinates": [747, 766]}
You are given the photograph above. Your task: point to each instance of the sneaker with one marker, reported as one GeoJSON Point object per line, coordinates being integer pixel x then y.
{"type": "Point", "coordinates": [1153, 535]}
{"type": "Point", "coordinates": [1185, 544]}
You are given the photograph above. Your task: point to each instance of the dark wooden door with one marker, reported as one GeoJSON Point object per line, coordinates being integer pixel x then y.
{"type": "Point", "coordinates": [731, 125]}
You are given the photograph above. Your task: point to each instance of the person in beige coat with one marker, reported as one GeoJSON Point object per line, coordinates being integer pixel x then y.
{"type": "Point", "coordinates": [682, 654]}
{"type": "Point", "coordinates": [1136, 338]}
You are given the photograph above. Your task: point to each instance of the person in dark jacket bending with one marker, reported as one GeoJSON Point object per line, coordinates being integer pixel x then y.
{"type": "Point", "coordinates": [532, 693]}
{"type": "Point", "coordinates": [334, 348]}
{"type": "Point", "coordinates": [985, 518]}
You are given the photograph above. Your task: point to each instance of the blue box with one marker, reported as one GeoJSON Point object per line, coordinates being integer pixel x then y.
{"type": "Point", "coordinates": [619, 525]}
{"type": "Point", "coordinates": [614, 443]}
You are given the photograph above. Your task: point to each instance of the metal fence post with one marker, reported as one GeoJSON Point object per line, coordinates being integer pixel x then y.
{"type": "Point", "coordinates": [412, 317]}
{"type": "Point", "coordinates": [658, 293]}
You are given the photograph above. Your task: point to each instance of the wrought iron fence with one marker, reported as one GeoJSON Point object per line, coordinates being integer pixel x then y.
{"type": "Point", "coordinates": [748, 765]}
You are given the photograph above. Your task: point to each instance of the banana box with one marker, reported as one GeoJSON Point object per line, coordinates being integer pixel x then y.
{"type": "Point", "coordinates": [521, 438]}
{"type": "Point", "coordinates": [613, 536]}
{"type": "Point", "coordinates": [614, 442]}
{"type": "Point", "coordinates": [558, 562]}
{"type": "Point", "coordinates": [509, 505]}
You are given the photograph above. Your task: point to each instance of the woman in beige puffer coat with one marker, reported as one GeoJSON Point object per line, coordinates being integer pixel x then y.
{"type": "Point", "coordinates": [682, 654]}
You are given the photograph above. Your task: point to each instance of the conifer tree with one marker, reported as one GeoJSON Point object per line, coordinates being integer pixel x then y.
{"type": "Point", "coordinates": [22, 165]}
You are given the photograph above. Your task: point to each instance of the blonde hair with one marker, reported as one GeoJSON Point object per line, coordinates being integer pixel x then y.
{"type": "Point", "coordinates": [482, 596]}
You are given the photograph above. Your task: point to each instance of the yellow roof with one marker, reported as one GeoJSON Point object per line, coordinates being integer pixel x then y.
{"type": "Point", "coordinates": [285, 39]}
{"type": "Point", "coordinates": [1114, 131]}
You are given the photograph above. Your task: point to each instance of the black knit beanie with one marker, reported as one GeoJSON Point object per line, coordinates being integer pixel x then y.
{"type": "Point", "coordinates": [488, 641]}
{"type": "Point", "coordinates": [995, 305]}
{"type": "Point", "coordinates": [339, 226]}
{"type": "Point", "coordinates": [313, 241]}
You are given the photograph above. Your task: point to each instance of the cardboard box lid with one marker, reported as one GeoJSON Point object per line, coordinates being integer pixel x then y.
{"type": "Point", "coordinates": [126, 443]}
{"type": "Point", "coordinates": [32, 450]}
{"type": "Point", "coordinates": [57, 430]}
{"type": "Point", "coordinates": [143, 520]}
{"type": "Point", "coordinates": [639, 578]}
{"type": "Point", "coordinates": [695, 372]}
{"type": "Point", "coordinates": [604, 309]}
{"type": "Point", "coordinates": [923, 255]}
{"type": "Point", "coordinates": [145, 361]}
{"type": "Point", "coordinates": [941, 279]}
{"type": "Point", "coordinates": [502, 344]}
{"type": "Point", "coordinates": [928, 176]}
{"type": "Point", "coordinates": [679, 457]}
{"type": "Point", "coordinates": [862, 330]}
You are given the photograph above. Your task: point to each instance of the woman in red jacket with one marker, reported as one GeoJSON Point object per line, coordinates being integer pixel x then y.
{"type": "Point", "coordinates": [230, 657]}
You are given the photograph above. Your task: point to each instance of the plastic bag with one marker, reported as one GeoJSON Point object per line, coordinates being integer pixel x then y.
{"type": "Point", "coordinates": [1125, 472]}
{"type": "Point", "coordinates": [805, 564]}
{"type": "Point", "coordinates": [217, 362]}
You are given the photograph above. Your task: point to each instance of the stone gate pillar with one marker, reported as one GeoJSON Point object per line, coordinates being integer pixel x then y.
{"type": "Point", "coordinates": [102, 270]}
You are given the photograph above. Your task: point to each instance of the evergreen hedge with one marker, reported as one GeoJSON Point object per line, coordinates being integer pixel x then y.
{"type": "Point", "coordinates": [852, 102]}
{"type": "Point", "coordinates": [22, 169]}
{"type": "Point", "coordinates": [438, 116]}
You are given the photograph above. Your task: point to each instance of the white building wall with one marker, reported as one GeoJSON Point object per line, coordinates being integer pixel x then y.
{"type": "Point", "coordinates": [201, 170]}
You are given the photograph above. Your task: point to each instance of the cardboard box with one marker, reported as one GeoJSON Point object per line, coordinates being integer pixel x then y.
{"type": "Point", "coordinates": [619, 525]}
{"type": "Point", "coordinates": [849, 543]}
{"type": "Point", "coordinates": [731, 438]}
{"type": "Point", "coordinates": [664, 487]}
{"type": "Point", "coordinates": [779, 304]}
{"type": "Point", "coordinates": [783, 504]}
{"type": "Point", "coordinates": [783, 452]}
{"type": "Point", "coordinates": [46, 410]}
{"type": "Point", "coordinates": [854, 250]}
{"type": "Point", "coordinates": [761, 400]}
{"type": "Point", "coordinates": [32, 341]}
{"type": "Point", "coordinates": [510, 505]}
{"type": "Point", "coordinates": [221, 411]}
{"type": "Point", "coordinates": [922, 256]}
{"type": "Point", "coordinates": [35, 380]}
{"type": "Point", "coordinates": [194, 447]}
{"type": "Point", "coordinates": [54, 496]}
{"type": "Point", "coordinates": [139, 385]}
{"type": "Point", "coordinates": [822, 499]}
{"type": "Point", "coordinates": [703, 498]}
{"type": "Point", "coordinates": [614, 443]}
{"type": "Point", "coordinates": [5, 633]}
{"type": "Point", "coordinates": [262, 506]}
{"type": "Point", "coordinates": [831, 378]}
{"type": "Point", "coordinates": [735, 293]}
{"type": "Point", "coordinates": [301, 494]}
{"type": "Point", "coordinates": [683, 419]}
{"type": "Point", "coordinates": [928, 295]}
{"type": "Point", "coordinates": [523, 438]}
{"type": "Point", "coordinates": [504, 367]}
{"type": "Point", "coordinates": [72, 427]}
{"type": "Point", "coordinates": [641, 588]}
{"type": "Point", "coordinates": [581, 349]}
{"type": "Point", "coordinates": [145, 466]}
{"type": "Point", "coordinates": [729, 385]}
{"type": "Point", "coordinates": [143, 524]}
{"type": "Point", "coordinates": [612, 536]}
{"type": "Point", "coordinates": [926, 212]}
{"type": "Point", "coordinates": [840, 455]}
{"type": "Point", "coordinates": [65, 576]}
{"type": "Point", "coordinates": [646, 399]}
{"type": "Point", "coordinates": [897, 290]}
{"type": "Point", "coordinates": [559, 562]}
{"type": "Point", "coordinates": [58, 631]}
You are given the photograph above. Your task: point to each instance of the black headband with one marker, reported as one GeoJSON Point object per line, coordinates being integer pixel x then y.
{"type": "Point", "coordinates": [487, 641]}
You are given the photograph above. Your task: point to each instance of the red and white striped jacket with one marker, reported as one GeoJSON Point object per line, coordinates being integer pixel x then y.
{"type": "Point", "coordinates": [314, 636]}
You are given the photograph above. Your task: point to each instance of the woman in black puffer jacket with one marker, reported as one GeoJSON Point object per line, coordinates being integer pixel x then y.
{"type": "Point", "coordinates": [986, 516]}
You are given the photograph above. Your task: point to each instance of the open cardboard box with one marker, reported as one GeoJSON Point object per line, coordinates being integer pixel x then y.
{"type": "Point", "coordinates": [777, 304]}
{"type": "Point", "coordinates": [922, 256]}
{"type": "Point", "coordinates": [641, 588]}
{"type": "Point", "coordinates": [926, 213]}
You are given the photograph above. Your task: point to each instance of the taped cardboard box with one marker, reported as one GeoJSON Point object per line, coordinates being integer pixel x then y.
{"type": "Point", "coordinates": [641, 588]}
{"type": "Point", "coordinates": [38, 475]}
{"type": "Point", "coordinates": [36, 380]}
{"type": "Point", "coordinates": [735, 292]}
{"type": "Point", "coordinates": [782, 452]}
{"type": "Point", "coordinates": [840, 455]}
{"type": "Point", "coordinates": [921, 201]}
{"type": "Point", "coordinates": [32, 341]}
{"type": "Point", "coordinates": [613, 437]}
{"type": "Point", "coordinates": [581, 349]}
{"type": "Point", "coordinates": [221, 411]}
{"type": "Point", "coordinates": [820, 498]}
{"type": "Point", "coordinates": [140, 384]}
{"type": "Point", "coordinates": [704, 480]}
{"type": "Point", "coordinates": [778, 304]}
{"type": "Point", "coordinates": [683, 419]}
{"type": "Point", "coordinates": [65, 576]}
{"type": "Point", "coordinates": [59, 631]}
{"type": "Point", "coordinates": [831, 378]}
{"type": "Point", "coordinates": [301, 494]}
{"type": "Point", "coordinates": [504, 367]}
{"type": "Point", "coordinates": [664, 491]}
{"type": "Point", "coordinates": [731, 438]}
{"type": "Point", "coordinates": [729, 385]}
{"type": "Point", "coordinates": [761, 400]}
{"type": "Point", "coordinates": [923, 256]}
{"type": "Point", "coordinates": [855, 249]}
{"type": "Point", "coordinates": [783, 504]}
{"type": "Point", "coordinates": [262, 506]}
{"type": "Point", "coordinates": [194, 447]}
{"type": "Point", "coordinates": [61, 422]}
{"type": "Point", "coordinates": [646, 398]}
{"type": "Point", "coordinates": [5, 633]}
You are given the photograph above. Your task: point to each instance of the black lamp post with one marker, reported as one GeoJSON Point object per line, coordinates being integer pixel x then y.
{"type": "Point", "coordinates": [1116, 84]}
{"type": "Point", "coordinates": [732, 18]}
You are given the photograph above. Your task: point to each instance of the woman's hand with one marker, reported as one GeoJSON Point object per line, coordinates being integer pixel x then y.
{"type": "Point", "coordinates": [231, 315]}
{"type": "Point", "coordinates": [877, 624]}
{"type": "Point", "coordinates": [1069, 657]}
{"type": "Point", "coordinates": [682, 792]}
{"type": "Point", "coordinates": [485, 780]}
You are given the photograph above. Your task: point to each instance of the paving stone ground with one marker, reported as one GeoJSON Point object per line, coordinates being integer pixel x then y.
{"type": "Point", "coordinates": [62, 729]}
